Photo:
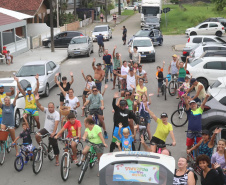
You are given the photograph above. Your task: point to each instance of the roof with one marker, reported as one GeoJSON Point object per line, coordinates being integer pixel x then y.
{"type": "Point", "coordinates": [6, 19]}
{"type": "Point", "coordinates": [29, 7]}
{"type": "Point", "coordinates": [39, 62]}
{"type": "Point", "coordinates": [101, 26]}
{"type": "Point", "coordinates": [17, 15]}
{"type": "Point", "coordinates": [141, 38]}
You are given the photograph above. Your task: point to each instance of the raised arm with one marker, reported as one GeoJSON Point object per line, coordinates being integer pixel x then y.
{"type": "Point", "coordinates": [122, 76]}
{"type": "Point", "coordinates": [37, 86]}
{"type": "Point", "coordinates": [37, 102]}
{"type": "Point", "coordinates": [17, 94]}
{"type": "Point", "coordinates": [211, 143]}
{"type": "Point", "coordinates": [190, 89]}
{"type": "Point", "coordinates": [119, 130]}
{"type": "Point", "coordinates": [62, 90]}
{"type": "Point", "coordinates": [25, 120]}
{"type": "Point", "coordinates": [93, 64]}
{"type": "Point", "coordinates": [169, 68]}
{"type": "Point", "coordinates": [150, 112]}
{"type": "Point", "coordinates": [120, 58]}
{"type": "Point", "coordinates": [204, 101]}
{"type": "Point", "coordinates": [186, 63]}
{"type": "Point", "coordinates": [83, 75]}
{"type": "Point", "coordinates": [163, 64]}
{"type": "Point", "coordinates": [11, 93]}
{"type": "Point", "coordinates": [114, 51]}
{"type": "Point", "coordinates": [72, 78]}
{"type": "Point", "coordinates": [55, 77]}
{"type": "Point", "coordinates": [19, 87]}
{"type": "Point", "coordinates": [139, 59]}
{"type": "Point", "coordinates": [115, 107]}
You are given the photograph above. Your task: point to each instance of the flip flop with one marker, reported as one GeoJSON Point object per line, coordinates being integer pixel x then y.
{"type": "Point", "coordinates": [57, 164]}
{"type": "Point", "coordinates": [75, 161]}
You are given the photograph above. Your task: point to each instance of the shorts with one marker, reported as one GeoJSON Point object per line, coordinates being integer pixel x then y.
{"type": "Point", "coordinates": [159, 84]}
{"type": "Point", "coordinates": [124, 84]}
{"type": "Point", "coordinates": [101, 18]}
{"type": "Point", "coordinates": [96, 111]}
{"type": "Point", "coordinates": [124, 38]}
{"type": "Point", "coordinates": [98, 86]}
{"type": "Point", "coordinates": [85, 93]}
{"type": "Point", "coordinates": [181, 80]}
{"type": "Point", "coordinates": [114, 18]}
{"type": "Point", "coordinates": [29, 148]}
{"type": "Point", "coordinates": [191, 136]}
{"type": "Point", "coordinates": [98, 149]}
{"type": "Point", "coordinates": [10, 126]}
{"type": "Point", "coordinates": [156, 140]}
{"type": "Point", "coordinates": [62, 98]}
{"type": "Point", "coordinates": [108, 68]}
{"type": "Point", "coordinates": [101, 44]}
{"type": "Point", "coordinates": [0, 120]}
{"type": "Point", "coordinates": [33, 112]}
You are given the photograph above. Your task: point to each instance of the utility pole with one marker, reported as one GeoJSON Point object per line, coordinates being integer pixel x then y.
{"type": "Point", "coordinates": [75, 8]}
{"type": "Point", "coordinates": [57, 10]}
{"type": "Point", "coordinates": [106, 11]}
{"type": "Point", "coordinates": [51, 25]}
{"type": "Point", "coordinates": [119, 7]}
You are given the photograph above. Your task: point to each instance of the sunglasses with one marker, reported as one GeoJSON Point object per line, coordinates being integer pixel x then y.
{"type": "Point", "coordinates": [94, 90]}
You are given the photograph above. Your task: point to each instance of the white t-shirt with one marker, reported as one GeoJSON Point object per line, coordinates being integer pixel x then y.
{"type": "Point", "coordinates": [140, 73]}
{"type": "Point", "coordinates": [131, 80]}
{"type": "Point", "coordinates": [50, 120]}
{"type": "Point", "coordinates": [124, 70]}
{"type": "Point", "coordinates": [71, 102]}
{"type": "Point", "coordinates": [91, 84]}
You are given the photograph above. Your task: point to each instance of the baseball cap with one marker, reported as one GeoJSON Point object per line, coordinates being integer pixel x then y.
{"type": "Point", "coordinates": [192, 80]}
{"type": "Point", "coordinates": [174, 55]}
{"type": "Point", "coordinates": [205, 132]}
{"type": "Point", "coordinates": [29, 89]}
{"type": "Point", "coordinates": [122, 102]}
{"type": "Point", "coordinates": [1, 85]}
{"type": "Point", "coordinates": [192, 101]}
{"type": "Point", "coordinates": [98, 64]}
{"type": "Point", "coordinates": [164, 115]}
{"type": "Point", "coordinates": [4, 47]}
{"type": "Point", "coordinates": [131, 69]}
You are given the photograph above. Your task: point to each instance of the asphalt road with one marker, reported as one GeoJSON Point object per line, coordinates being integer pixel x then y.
{"type": "Point", "coordinates": [50, 174]}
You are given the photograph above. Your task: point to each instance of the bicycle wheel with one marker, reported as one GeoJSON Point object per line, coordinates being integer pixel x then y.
{"type": "Point", "coordinates": [94, 159]}
{"type": "Point", "coordinates": [37, 161]}
{"type": "Point", "coordinates": [162, 90]}
{"type": "Point", "coordinates": [172, 88]}
{"type": "Point", "coordinates": [99, 52]}
{"type": "Point", "coordinates": [65, 166]}
{"type": "Point", "coordinates": [181, 105]}
{"type": "Point", "coordinates": [79, 153]}
{"type": "Point", "coordinates": [2, 152]}
{"type": "Point", "coordinates": [51, 155]}
{"type": "Point", "coordinates": [19, 163]}
{"type": "Point", "coordinates": [119, 85]}
{"type": "Point", "coordinates": [165, 91]}
{"type": "Point", "coordinates": [8, 144]}
{"type": "Point", "coordinates": [84, 168]}
{"type": "Point", "coordinates": [179, 118]}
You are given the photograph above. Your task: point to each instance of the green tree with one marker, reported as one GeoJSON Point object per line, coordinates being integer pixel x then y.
{"type": "Point", "coordinates": [219, 4]}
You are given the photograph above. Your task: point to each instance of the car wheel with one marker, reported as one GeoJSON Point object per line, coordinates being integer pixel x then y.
{"type": "Point", "coordinates": [49, 45]}
{"type": "Point", "coordinates": [219, 33]}
{"type": "Point", "coordinates": [203, 81]}
{"type": "Point", "coordinates": [47, 90]}
{"type": "Point", "coordinates": [193, 33]}
{"type": "Point", "coordinates": [17, 118]}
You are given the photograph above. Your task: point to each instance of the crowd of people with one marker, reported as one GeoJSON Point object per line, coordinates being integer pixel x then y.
{"type": "Point", "coordinates": [133, 98]}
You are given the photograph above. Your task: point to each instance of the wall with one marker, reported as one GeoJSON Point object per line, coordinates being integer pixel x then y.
{"type": "Point", "coordinates": [72, 26]}
{"type": "Point", "coordinates": [86, 22]}
{"type": "Point", "coordinates": [114, 11]}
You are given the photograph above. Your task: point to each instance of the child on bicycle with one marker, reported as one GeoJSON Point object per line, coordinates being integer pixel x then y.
{"type": "Point", "coordinates": [26, 136]}
{"type": "Point", "coordinates": [184, 87]}
{"type": "Point", "coordinates": [159, 77]}
{"type": "Point", "coordinates": [126, 138]}
{"type": "Point", "coordinates": [73, 127]}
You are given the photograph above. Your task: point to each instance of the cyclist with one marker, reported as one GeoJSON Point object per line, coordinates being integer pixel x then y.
{"type": "Point", "coordinates": [96, 107]}
{"type": "Point", "coordinates": [8, 116]}
{"type": "Point", "coordinates": [194, 120]}
{"type": "Point", "coordinates": [163, 129]}
{"type": "Point", "coordinates": [107, 61]}
{"type": "Point", "coordinates": [94, 134]}
{"type": "Point", "coordinates": [117, 64]}
{"type": "Point", "coordinates": [30, 106]}
{"type": "Point", "coordinates": [134, 55]}
{"type": "Point", "coordinates": [52, 118]}
{"type": "Point", "coordinates": [160, 78]}
{"type": "Point", "coordinates": [98, 74]}
{"type": "Point", "coordinates": [3, 94]}
{"type": "Point", "coordinates": [173, 67]}
{"type": "Point", "coordinates": [65, 85]}
{"type": "Point", "coordinates": [73, 126]}
{"type": "Point", "coordinates": [100, 41]}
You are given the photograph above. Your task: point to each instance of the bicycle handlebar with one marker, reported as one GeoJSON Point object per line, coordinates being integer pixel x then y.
{"type": "Point", "coordinates": [48, 134]}
{"type": "Point", "coordinates": [99, 145]}
{"type": "Point", "coordinates": [162, 145]}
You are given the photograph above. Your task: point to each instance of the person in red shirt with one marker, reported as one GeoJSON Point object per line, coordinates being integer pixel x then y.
{"type": "Point", "coordinates": [73, 127]}
{"type": "Point", "coordinates": [4, 52]}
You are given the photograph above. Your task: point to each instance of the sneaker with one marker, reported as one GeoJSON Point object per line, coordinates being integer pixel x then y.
{"type": "Point", "coordinates": [111, 80]}
{"type": "Point", "coordinates": [105, 135]}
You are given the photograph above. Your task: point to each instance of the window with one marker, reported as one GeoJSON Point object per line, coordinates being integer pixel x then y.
{"type": "Point", "coordinates": [213, 25]}
{"type": "Point", "coordinates": [203, 26]}
{"type": "Point", "coordinates": [220, 40]}
{"type": "Point", "coordinates": [197, 40]}
{"type": "Point", "coordinates": [52, 65]}
{"type": "Point", "coordinates": [48, 68]}
{"type": "Point", "coordinates": [195, 62]}
{"type": "Point", "coordinates": [223, 101]}
{"type": "Point", "coordinates": [213, 65]}
{"type": "Point", "coordinates": [216, 84]}
{"type": "Point", "coordinates": [208, 40]}
{"type": "Point", "coordinates": [31, 70]}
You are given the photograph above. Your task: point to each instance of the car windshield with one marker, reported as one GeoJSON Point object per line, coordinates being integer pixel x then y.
{"type": "Point", "coordinates": [150, 10]}
{"type": "Point", "coordinates": [142, 43]}
{"type": "Point", "coordinates": [216, 84]}
{"type": "Point", "coordinates": [195, 62]}
{"type": "Point", "coordinates": [79, 40]}
{"type": "Point", "coordinates": [100, 29]}
{"type": "Point", "coordinates": [31, 70]}
{"type": "Point", "coordinates": [220, 40]}
{"type": "Point", "coordinates": [142, 33]}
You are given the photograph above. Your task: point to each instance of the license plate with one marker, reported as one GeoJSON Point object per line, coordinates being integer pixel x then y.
{"type": "Point", "coordinates": [143, 55]}
{"type": "Point", "coordinates": [77, 52]}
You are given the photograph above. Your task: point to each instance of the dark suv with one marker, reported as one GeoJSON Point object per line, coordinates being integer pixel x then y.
{"type": "Point", "coordinates": [61, 39]}
{"type": "Point", "coordinates": [217, 19]}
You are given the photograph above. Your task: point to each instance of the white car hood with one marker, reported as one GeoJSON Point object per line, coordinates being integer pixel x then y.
{"type": "Point", "coordinates": [78, 46]}
{"type": "Point", "coordinates": [145, 49]}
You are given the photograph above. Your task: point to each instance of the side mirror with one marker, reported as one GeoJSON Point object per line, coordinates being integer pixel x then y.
{"type": "Point", "coordinates": [49, 72]}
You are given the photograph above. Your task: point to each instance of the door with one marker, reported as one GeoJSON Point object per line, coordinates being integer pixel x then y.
{"type": "Point", "coordinates": [58, 39]}
{"type": "Point", "coordinates": [214, 69]}
{"type": "Point", "coordinates": [203, 29]}
{"type": "Point", "coordinates": [50, 77]}
{"type": "Point", "coordinates": [53, 69]}
{"type": "Point", "coordinates": [213, 27]}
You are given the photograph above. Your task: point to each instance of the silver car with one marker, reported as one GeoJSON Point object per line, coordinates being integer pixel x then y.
{"type": "Point", "coordinates": [81, 45]}
{"type": "Point", "coordinates": [104, 30]}
{"type": "Point", "coordinates": [46, 71]}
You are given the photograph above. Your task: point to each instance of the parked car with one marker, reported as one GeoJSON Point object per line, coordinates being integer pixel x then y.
{"type": "Point", "coordinates": [196, 40]}
{"type": "Point", "coordinates": [217, 19]}
{"type": "Point", "coordinates": [145, 48]}
{"type": "Point", "coordinates": [20, 102]}
{"type": "Point", "coordinates": [105, 30]}
{"type": "Point", "coordinates": [154, 34]}
{"type": "Point", "coordinates": [130, 7]}
{"type": "Point", "coordinates": [81, 45]}
{"type": "Point", "coordinates": [214, 114]}
{"type": "Point", "coordinates": [214, 53]}
{"type": "Point", "coordinates": [46, 71]}
{"type": "Point", "coordinates": [61, 39]}
{"type": "Point", "coordinates": [207, 28]}
{"type": "Point", "coordinates": [207, 70]}
{"type": "Point", "coordinates": [151, 22]}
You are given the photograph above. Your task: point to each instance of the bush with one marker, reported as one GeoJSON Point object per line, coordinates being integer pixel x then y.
{"type": "Point", "coordinates": [200, 3]}
{"type": "Point", "coordinates": [174, 1]}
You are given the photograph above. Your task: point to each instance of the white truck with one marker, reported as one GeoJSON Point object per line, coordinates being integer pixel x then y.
{"type": "Point", "coordinates": [151, 8]}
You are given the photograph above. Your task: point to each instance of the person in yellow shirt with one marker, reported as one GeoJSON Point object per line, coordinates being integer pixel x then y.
{"type": "Point", "coordinates": [30, 104]}
{"type": "Point", "coordinates": [3, 94]}
{"type": "Point", "coordinates": [163, 129]}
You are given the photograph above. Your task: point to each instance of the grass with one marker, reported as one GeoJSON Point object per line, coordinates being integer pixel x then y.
{"type": "Point", "coordinates": [127, 12]}
{"type": "Point", "coordinates": [179, 20]}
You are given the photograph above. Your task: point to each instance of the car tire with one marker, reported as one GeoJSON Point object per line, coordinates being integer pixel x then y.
{"type": "Point", "coordinates": [218, 33]}
{"type": "Point", "coordinates": [49, 45]}
{"type": "Point", "coordinates": [46, 90]}
{"type": "Point", "coordinates": [17, 118]}
{"type": "Point", "coordinates": [193, 33]}
{"type": "Point", "coordinates": [204, 82]}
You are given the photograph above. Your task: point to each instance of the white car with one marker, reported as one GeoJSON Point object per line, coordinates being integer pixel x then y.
{"type": "Point", "coordinates": [207, 28]}
{"type": "Point", "coordinates": [104, 30]}
{"type": "Point", "coordinates": [218, 86]}
{"type": "Point", "coordinates": [130, 7]}
{"type": "Point", "coordinates": [20, 103]}
{"type": "Point", "coordinates": [145, 48]}
{"type": "Point", "coordinates": [207, 70]}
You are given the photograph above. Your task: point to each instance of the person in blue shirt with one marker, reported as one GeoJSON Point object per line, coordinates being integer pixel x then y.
{"type": "Point", "coordinates": [126, 138]}
{"type": "Point", "coordinates": [100, 41]}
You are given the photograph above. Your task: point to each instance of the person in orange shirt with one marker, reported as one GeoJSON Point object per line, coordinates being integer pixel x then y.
{"type": "Point", "coordinates": [159, 77]}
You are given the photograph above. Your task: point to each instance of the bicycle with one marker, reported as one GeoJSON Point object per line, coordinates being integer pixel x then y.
{"type": "Point", "coordinates": [173, 85]}
{"type": "Point", "coordinates": [90, 159]}
{"type": "Point", "coordinates": [118, 84]}
{"type": "Point", "coordinates": [31, 122]}
{"type": "Point", "coordinates": [67, 157]}
{"type": "Point", "coordinates": [192, 157]}
{"type": "Point", "coordinates": [100, 51]}
{"type": "Point", "coordinates": [5, 144]}
{"type": "Point", "coordinates": [160, 147]}
{"type": "Point", "coordinates": [163, 87]}
{"type": "Point", "coordinates": [41, 151]}
{"type": "Point", "coordinates": [24, 154]}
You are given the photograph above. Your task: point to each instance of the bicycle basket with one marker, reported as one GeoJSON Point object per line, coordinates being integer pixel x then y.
{"type": "Point", "coordinates": [65, 110]}
{"type": "Point", "coordinates": [3, 135]}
